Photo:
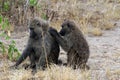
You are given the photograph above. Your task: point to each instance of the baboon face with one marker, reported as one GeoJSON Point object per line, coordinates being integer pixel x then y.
{"type": "Point", "coordinates": [35, 28]}
{"type": "Point", "coordinates": [67, 27]}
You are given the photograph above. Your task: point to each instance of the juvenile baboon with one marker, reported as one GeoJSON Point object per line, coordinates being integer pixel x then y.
{"type": "Point", "coordinates": [39, 29]}
{"type": "Point", "coordinates": [73, 42]}
{"type": "Point", "coordinates": [50, 48]}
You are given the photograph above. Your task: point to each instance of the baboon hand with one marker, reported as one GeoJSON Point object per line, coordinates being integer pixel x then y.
{"type": "Point", "coordinates": [53, 31]}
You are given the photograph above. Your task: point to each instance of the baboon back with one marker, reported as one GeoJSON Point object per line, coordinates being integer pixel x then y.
{"type": "Point", "coordinates": [52, 48]}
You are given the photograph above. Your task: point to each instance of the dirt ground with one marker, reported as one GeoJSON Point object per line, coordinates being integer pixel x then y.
{"type": "Point", "coordinates": [104, 60]}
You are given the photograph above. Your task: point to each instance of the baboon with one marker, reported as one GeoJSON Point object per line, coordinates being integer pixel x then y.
{"type": "Point", "coordinates": [73, 42]}
{"type": "Point", "coordinates": [50, 48]}
{"type": "Point", "coordinates": [39, 29]}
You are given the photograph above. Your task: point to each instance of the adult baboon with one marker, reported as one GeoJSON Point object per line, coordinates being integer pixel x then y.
{"type": "Point", "coordinates": [39, 34]}
{"type": "Point", "coordinates": [73, 42]}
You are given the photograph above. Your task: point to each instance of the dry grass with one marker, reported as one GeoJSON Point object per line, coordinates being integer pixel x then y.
{"type": "Point", "coordinates": [86, 13]}
{"type": "Point", "coordinates": [59, 73]}
{"type": "Point", "coordinates": [54, 73]}
{"type": "Point", "coordinates": [96, 32]}
{"type": "Point", "coordinates": [93, 17]}
{"type": "Point", "coordinates": [103, 69]}
{"type": "Point", "coordinates": [93, 13]}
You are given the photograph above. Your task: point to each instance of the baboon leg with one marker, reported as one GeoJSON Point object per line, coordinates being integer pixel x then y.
{"type": "Point", "coordinates": [32, 64]}
{"type": "Point", "coordinates": [70, 56]}
{"type": "Point", "coordinates": [32, 60]}
{"type": "Point", "coordinates": [24, 55]}
{"type": "Point", "coordinates": [81, 63]}
{"type": "Point", "coordinates": [42, 61]}
{"type": "Point", "coordinates": [71, 59]}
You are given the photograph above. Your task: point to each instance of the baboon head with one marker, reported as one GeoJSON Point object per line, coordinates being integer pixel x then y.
{"type": "Point", "coordinates": [67, 27]}
{"type": "Point", "coordinates": [37, 26]}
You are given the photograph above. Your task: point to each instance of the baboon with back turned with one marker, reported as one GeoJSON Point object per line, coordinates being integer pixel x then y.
{"type": "Point", "coordinates": [73, 42]}
{"type": "Point", "coordinates": [34, 49]}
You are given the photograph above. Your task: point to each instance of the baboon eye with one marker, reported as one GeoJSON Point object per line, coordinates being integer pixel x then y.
{"type": "Point", "coordinates": [68, 25]}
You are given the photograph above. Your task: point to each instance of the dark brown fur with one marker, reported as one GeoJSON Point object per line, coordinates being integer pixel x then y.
{"type": "Point", "coordinates": [74, 43]}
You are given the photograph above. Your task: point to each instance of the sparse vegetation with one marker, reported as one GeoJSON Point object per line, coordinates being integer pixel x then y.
{"type": "Point", "coordinates": [9, 50]}
{"type": "Point", "coordinates": [95, 17]}
{"type": "Point", "coordinates": [87, 13]}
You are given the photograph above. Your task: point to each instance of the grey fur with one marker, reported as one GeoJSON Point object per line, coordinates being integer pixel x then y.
{"type": "Point", "coordinates": [39, 34]}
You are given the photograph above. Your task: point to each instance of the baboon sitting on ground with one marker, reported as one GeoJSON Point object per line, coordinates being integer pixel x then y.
{"type": "Point", "coordinates": [73, 42]}
{"type": "Point", "coordinates": [34, 49]}
{"type": "Point", "coordinates": [50, 48]}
